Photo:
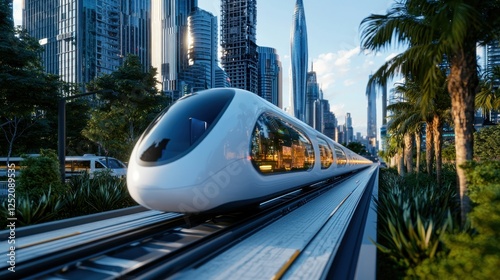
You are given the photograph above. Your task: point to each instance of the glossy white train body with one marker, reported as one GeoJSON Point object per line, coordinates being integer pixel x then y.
{"type": "Point", "coordinates": [226, 148]}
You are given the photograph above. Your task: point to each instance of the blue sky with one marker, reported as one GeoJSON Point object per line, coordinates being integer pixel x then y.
{"type": "Point", "coordinates": [334, 49]}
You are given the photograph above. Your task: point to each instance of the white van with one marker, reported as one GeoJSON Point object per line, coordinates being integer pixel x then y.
{"type": "Point", "coordinates": [91, 164]}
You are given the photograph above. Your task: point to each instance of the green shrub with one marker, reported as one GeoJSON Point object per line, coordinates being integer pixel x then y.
{"type": "Point", "coordinates": [44, 208]}
{"type": "Point", "coordinates": [101, 193]}
{"type": "Point", "coordinates": [473, 254]}
{"type": "Point", "coordinates": [413, 212]}
{"type": "Point", "coordinates": [486, 143]}
{"type": "Point", "coordinates": [39, 174]}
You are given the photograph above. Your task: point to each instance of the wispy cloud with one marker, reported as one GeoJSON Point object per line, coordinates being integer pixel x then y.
{"type": "Point", "coordinates": [332, 67]}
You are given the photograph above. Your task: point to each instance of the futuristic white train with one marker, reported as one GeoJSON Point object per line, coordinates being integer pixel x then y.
{"type": "Point", "coordinates": [222, 149]}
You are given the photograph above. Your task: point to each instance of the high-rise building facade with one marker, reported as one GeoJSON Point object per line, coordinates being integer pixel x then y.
{"type": "Point", "coordinates": [492, 59]}
{"type": "Point", "coordinates": [383, 128]}
{"type": "Point", "coordinates": [238, 42]}
{"type": "Point", "coordinates": [371, 133]}
{"type": "Point", "coordinates": [270, 76]}
{"type": "Point", "coordinates": [40, 19]}
{"type": "Point", "coordinates": [329, 120]}
{"type": "Point", "coordinates": [201, 52]}
{"type": "Point", "coordinates": [221, 78]}
{"type": "Point", "coordinates": [299, 57]}
{"type": "Point", "coordinates": [136, 30]}
{"type": "Point", "coordinates": [85, 38]}
{"type": "Point", "coordinates": [169, 45]}
{"type": "Point", "coordinates": [312, 97]}
{"type": "Point", "coordinates": [349, 136]}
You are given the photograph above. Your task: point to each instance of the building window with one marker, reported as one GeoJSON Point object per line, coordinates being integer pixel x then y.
{"type": "Point", "coordinates": [277, 146]}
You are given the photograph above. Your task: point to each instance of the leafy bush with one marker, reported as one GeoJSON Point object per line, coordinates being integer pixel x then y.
{"type": "Point", "coordinates": [30, 211]}
{"type": "Point", "coordinates": [486, 143]}
{"type": "Point", "coordinates": [474, 254]}
{"type": "Point", "coordinates": [101, 193]}
{"type": "Point", "coordinates": [413, 214]}
{"type": "Point", "coordinates": [39, 174]}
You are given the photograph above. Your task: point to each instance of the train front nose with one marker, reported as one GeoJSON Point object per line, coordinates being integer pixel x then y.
{"type": "Point", "coordinates": [163, 193]}
{"type": "Point", "coordinates": [153, 174]}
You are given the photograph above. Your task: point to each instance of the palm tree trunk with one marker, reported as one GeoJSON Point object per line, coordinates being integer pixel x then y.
{"type": "Point", "coordinates": [429, 147]}
{"type": "Point", "coordinates": [418, 142]}
{"type": "Point", "coordinates": [408, 157]}
{"type": "Point", "coordinates": [437, 127]}
{"type": "Point", "coordinates": [462, 85]}
{"type": "Point", "coordinates": [401, 164]}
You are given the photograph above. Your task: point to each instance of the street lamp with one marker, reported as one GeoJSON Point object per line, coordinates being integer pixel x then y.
{"type": "Point", "coordinates": [61, 125]}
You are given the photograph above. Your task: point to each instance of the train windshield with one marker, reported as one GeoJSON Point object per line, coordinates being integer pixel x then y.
{"type": "Point", "coordinates": [182, 126]}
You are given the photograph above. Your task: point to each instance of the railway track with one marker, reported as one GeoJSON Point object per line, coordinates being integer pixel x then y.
{"type": "Point", "coordinates": [152, 246]}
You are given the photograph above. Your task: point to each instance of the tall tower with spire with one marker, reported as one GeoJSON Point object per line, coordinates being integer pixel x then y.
{"type": "Point", "coordinates": [298, 45]}
{"type": "Point", "coordinates": [371, 132]}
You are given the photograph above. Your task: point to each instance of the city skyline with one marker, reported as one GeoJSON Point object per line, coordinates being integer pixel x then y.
{"type": "Point", "coordinates": [342, 70]}
{"type": "Point", "coordinates": [340, 66]}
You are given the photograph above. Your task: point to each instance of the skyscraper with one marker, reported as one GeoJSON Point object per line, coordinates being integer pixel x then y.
{"type": "Point", "coordinates": [201, 52]}
{"type": "Point", "coordinates": [312, 96]}
{"type": "Point", "coordinates": [383, 128]}
{"type": "Point", "coordinates": [269, 71]}
{"type": "Point", "coordinates": [492, 59]}
{"type": "Point", "coordinates": [85, 38]}
{"type": "Point", "coordinates": [299, 52]}
{"type": "Point", "coordinates": [169, 43]}
{"type": "Point", "coordinates": [371, 133]}
{"type": "Point", "coordinates": [349, 137]}
{"type": "Point", "coordinates": [136, 30]}
{"type": "Point", "coordinates": [329, 120]}
{"type": "Point", "coordinates": [238, 42]}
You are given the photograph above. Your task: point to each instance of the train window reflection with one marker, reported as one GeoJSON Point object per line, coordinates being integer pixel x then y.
{"type": "Point", "coordinates": [277, 146]}
{"type": "Point", "coordinates": [340, 154]}
{"type": "Point", "coordinates": [325, 153]}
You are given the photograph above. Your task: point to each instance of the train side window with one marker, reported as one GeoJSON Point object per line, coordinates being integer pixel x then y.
{"type": "Point", "coordinates": [325, 153]}
{"type": "Point", "coordinates": [340, 154]}
{"type": "Point", "coordinates": [278, 146]}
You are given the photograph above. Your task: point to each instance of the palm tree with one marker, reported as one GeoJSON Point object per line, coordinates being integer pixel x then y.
{"type": "Point", "coordinates": [488, 97]}
{"type": "Point", "coordinates": [404, 122]}
{"type": "Point", "coordinates": [434, 31]}
{"type": "Point", "coordinates": [434, 114]}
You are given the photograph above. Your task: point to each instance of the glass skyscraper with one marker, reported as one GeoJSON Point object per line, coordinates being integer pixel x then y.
{"type": "Point", "coordinates": [238, 43]}
{"type": "Point", "coordinates": [85, 38]}
{"type": "Point", "coordinates": [299, 53]}
{"type": "Point", "coordinates": [169, 43]}
{"type": "Point", "coordinates": [371, 132]}
{"type": "Point", "coordinates": [269, 75]}
{"type": "Point", "coordinates": [201, 52]}
{"type": "Point", "coordinates": [312, 96]}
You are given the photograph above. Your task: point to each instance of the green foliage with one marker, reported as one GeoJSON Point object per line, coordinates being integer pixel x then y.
{"type": "Point", "coordinates": [474, 254]}
{"type": "Point", "coordinates": [39, 174]}
{"type": "Point", "coordinates": [486, 143]}
{"type": "Point", "coordinates": [414, 213]}
{"type": "Point", "coordinates": [449, 153]}
{"type": "Point", "coordinates": [122, 117]}
{"type": "Point", "coordinates": [31, 211]}
{"type": "Point", "coordinates": [357, 147]}
{"type": "Point", "coordinates": [28, 95]}
{"type": "Point", "coordinates": [83, 196]}
{"type": "Point", "coordinates": [102, 193]}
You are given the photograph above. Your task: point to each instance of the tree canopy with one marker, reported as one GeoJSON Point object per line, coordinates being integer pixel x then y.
{"type": "Point", "coordinates": [125, 110]}
{"type": "Point", "coordinates": [27, 93]}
